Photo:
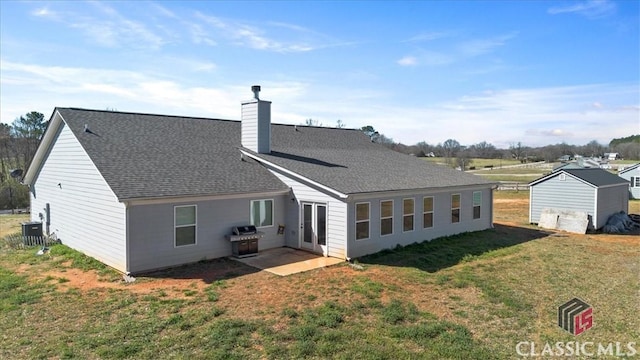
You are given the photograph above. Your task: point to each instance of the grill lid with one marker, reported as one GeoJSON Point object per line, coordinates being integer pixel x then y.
{"type": "Point", "coordinates": [244, 230]}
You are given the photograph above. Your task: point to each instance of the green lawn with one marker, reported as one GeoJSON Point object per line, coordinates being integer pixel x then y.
{"type": "Point", "coordinates": [477, 162]}
{"type": "Point", "coordinates": [471, 296]}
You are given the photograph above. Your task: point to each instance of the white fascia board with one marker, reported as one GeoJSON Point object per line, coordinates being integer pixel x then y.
{"type": "Point", "coordinates": [192, 199]}
{"type": "Point", "coordinates": [43, 148]}
{"type": "Point", "coordinates": [421, 191]}
{"type": "Point", "coordinates": [294, 175]}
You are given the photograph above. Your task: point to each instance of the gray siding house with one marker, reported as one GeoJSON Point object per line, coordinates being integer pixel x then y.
{"type": "Point", "coordinates": [632, 175]}
{"type": "Point", "coordinates": [594, 191]}
{"type": "Point", "coordinates": [141, 192]}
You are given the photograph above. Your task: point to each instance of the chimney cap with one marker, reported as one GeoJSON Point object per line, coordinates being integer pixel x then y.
{"type": "Point", "coordinates": [256, 91]}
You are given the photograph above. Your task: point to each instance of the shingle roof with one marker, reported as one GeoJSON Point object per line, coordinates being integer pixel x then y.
{"type": "Point", "coordinates": [346, 160]}
{"type": "Point", "coordinates": [597, 177]}
{"type": "Point", "coordinates": [594, 176]}
{"type": "Point", "coordinates": [149, 156]}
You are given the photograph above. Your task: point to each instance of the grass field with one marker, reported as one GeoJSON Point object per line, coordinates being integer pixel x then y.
{"type": "Point", "coordinates": [477, 162]}
{"type": "Point", "coordinates": [471, 296]}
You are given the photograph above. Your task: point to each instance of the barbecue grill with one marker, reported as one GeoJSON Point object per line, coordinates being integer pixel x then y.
{"type": "Point", "coordinates": [244, 241]}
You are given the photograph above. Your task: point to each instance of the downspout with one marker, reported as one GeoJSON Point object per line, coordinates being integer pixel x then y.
{"type": "Point", "coordinates": [595, 209]}
{"type": "Point", "coordinates": [493, 188]}
{"type": "Point", "coordinates": [126, 239]}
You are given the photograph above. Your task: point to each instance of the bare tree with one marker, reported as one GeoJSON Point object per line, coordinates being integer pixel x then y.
{"type": "Point", "coordinates": [517, 150]}
{"type": "Point", "coordinates": [463, 160]}
{"type": "Point", "coordinates": [450, 148]}
{"type": "Point", "coordinates": [311, 122]}
{"type": "Point", "coordinates": [484, 150]}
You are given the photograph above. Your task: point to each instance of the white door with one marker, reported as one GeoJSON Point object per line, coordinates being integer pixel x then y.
{"type": "Point", "coordinates": [313, 219]}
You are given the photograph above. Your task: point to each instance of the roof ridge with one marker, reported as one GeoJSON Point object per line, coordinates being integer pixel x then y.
{"type": "Point", "coordinates": [144, 114]}
{"type": "Point", "coordinates": [316, 127]}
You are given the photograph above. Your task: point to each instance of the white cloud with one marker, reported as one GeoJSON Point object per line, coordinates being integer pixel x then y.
{"type": "Point", "coordinates": [429, 36]}
{"type": "Point", "coordinates": [426, 58]}
{"type": "Point", "coordinates": [45, 12]}
{"type": "Point", "coordinates": [483, 46]}
{"type": "Point", "coordinates": [200, 36]}
{"type": "Point", "coordinates": [408, 61]}
{"type": "Point", "coordinates": [558, 133]}
{"type": "Point", "coordinates": [299, 39]}
{"type": "Point", "coordinates": [41, 88]}
{"type": "Point", "coordinates": [462, 50]}
{"type": "Point", "coordinates": [534, 117]}
{"type": "Point", "coordinates": [108, 28]}
{"type": "Point", "coordinates": [591, 9]}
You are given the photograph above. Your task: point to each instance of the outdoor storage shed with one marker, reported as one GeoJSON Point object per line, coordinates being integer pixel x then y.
{"type": "Point", "coordinates": [632, 175]}
{"type": "Point", "coordinates": [597, 192]}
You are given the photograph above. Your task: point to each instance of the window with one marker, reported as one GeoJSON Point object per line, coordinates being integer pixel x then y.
{"type": "Point", "coordinates": [362, 221]}
{"type": "Point", "coordinates": [427, 212]}
{"type": "Point", "coordinates": [407, 214]}
{"type": "Point", "coordinates": [262, 213]}
{"type": "Point", "coordinates": [386, 217]}
{"type": "Point", "coordinates": [184, 225]}
{"type": "Point", "coordinates": [477, 203]}
{"type": "Point", "coordinates": [635, 181]}
{"type": "Point", "coordinates": [455, 208]}
{"type": "Point", "coordinates": [321, 219]}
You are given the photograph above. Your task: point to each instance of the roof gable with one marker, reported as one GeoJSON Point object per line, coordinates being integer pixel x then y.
{"type": "Point", "coordinates": [151, 156]}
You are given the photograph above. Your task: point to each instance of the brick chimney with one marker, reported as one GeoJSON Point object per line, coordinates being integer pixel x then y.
{"type": "Point", "coordinates": [256, 123]}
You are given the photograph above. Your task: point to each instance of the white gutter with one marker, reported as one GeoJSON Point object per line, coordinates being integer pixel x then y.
{"type": "Point", "coordinates": [191, 198]}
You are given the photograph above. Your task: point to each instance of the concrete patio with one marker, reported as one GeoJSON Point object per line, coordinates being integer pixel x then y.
{"type": "Point", "coordinates": [286, 261]}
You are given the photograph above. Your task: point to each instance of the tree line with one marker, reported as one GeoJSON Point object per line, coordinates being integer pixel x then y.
{"type": "Point", "coordinates": [460, 155]}
{"type": "Point", "coordinates": [18, 144]}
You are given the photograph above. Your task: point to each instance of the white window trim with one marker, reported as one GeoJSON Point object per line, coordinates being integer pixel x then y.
{"type": "Point", "coordinates": [413, 214]}
{"type": "Point", "coordinates": [273, 204]}
{"type": "Point", "coordinates": [635, 181]}
{"type": "Point", "coordinates": [459, 208]}
{"type": "Point", "coordinates": [432, 212]}
{"type": "Point", "coordinates": [386, 217]}
{"type": "Point", "coordinates": [473, 208]}
{"type": "Point", "coordinates": [177, 226]}
{"type": "Point", "coordinates": [359, 221]}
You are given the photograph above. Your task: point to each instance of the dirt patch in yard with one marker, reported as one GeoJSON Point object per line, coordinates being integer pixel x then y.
{"type": "Point", "coordinates": [238, 285]}
{"type": "Point", "coordinates": [268, 294]}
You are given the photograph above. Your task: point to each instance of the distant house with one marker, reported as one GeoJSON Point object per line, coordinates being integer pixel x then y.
{"type": "Point", "coordinates": [632, 175]}
{"type": "Point", "coordinates": [142, 192]}
{"type": "Point", "coordinates": [567, 165]}
{"type": "Point", "coordinates": [583, 163]}
{"type": "Point", "coordinates": [612, 156]}
{"type": "Point", "coordinates": [594, 191]}
{"type": "Point", "coordinates": [565, 158]}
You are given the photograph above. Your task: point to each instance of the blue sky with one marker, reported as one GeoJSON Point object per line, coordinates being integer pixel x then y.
{"type": "Point", "coordinates": [534, 72]}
